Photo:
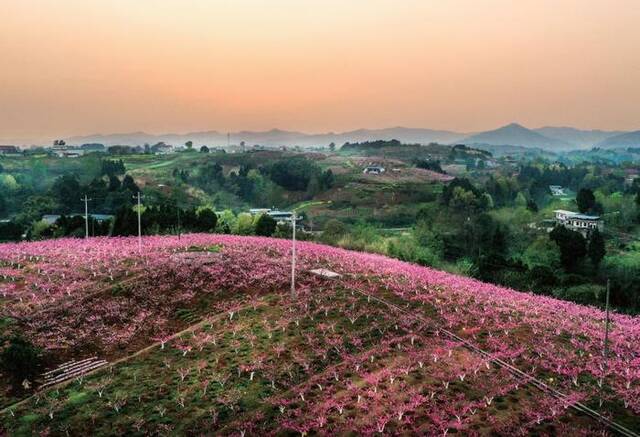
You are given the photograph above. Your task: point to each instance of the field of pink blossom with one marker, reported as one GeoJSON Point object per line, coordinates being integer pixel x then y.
{"type": "Point", "coordinates": [389, 347]}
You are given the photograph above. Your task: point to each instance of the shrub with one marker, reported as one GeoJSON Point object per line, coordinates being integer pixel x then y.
{"type": "Point", "coordinates": [588, 294]}
{"type": "Point", "coordinates": [206, 220]}
{"type": "Point", "coordinates": [333, 231]}
{"type": "Point", "coordinates": [20, 358]}
{"type": "Point", "coordinates": [265, 225]}
{"type": "Point", "coordinates": [244, 225]}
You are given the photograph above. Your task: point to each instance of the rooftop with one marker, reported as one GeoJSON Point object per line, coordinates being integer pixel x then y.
{"type": "Point", "coordinates": [577, 215]}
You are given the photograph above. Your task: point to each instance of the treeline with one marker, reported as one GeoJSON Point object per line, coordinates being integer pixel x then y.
{"type": "Point", "coordinates": [261, 184]}
{"type": "Point", "coordinates": [108, 190]}
{"type": "Point", "coordinates": [170, 219]}
{"type": "Point", "coordinates": [369, 145]}
{"type": "Point", "coordinates": [429, 164]}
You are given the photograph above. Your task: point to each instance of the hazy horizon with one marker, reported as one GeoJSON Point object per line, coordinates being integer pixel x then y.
{"type": "Point", "coordinates": [81, 68]}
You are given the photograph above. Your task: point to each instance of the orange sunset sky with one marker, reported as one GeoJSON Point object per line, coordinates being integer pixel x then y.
{"type": "Point", "coordinates": [100, 66]}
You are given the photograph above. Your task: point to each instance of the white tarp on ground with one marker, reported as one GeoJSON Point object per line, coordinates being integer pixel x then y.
{"type": "Point", "coordinates": [325, 273]}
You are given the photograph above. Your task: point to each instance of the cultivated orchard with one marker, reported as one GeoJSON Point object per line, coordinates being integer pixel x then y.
{"type": "Point", "coordinates": [369, 352]}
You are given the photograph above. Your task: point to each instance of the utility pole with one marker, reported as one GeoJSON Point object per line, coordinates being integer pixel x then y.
{"type": "Point", "coordinates": [86, 216]}
{"type": "Point", "coordinates": [179, 224]}
{"type": "Point", "coordinates": [139, 222]}
{"type": "Point", "coordinates": [606, 340]}
{"type": "Point", "coordinates": [293, 256]}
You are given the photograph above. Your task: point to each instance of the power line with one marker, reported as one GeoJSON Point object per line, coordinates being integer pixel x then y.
{"type": "Point", "coordinates": [514, 371]}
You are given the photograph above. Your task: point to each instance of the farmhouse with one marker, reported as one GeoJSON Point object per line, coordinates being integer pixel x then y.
{"type": "Point", "coordinates": [161, 149]}
{"type": "Point", "coordinates": [52, 218]}
{"type": "Point", "coordinates": [278, 216]}
{"type": "Point", "coordinates": [8, 150]}
{"type": "Point", "coordinates": [583, 223]}
{"type": "Point", "coordinates": [281, 216]}
{"type": "Point", "coordinates": [258, 211]}
{"type": "Point", "coordinates": [373, 169]}
{"type": "Point", "coordinates": [557, 190]}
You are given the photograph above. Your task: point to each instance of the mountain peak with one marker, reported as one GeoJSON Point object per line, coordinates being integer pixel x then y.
{"type": "Point", "coordinates": [515, 134]}
{"type": "Point", "coordinates": [514, 126]}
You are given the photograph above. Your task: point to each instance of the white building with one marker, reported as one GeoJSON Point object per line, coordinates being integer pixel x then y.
{"type": "Point", "coordinates": [373, 169]}
{"type": "Point", "coordinates": [278, 216]}
{"type": "Point", "coordinates": [583, 223]}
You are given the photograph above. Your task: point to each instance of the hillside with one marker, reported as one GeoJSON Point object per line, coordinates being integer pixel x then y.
{"type": "Point", "coordinates": [203, 337]}
{"type": "Point", "coordinates": [629, 139]}
{"type": "Point", "coordinates": [515, 135]}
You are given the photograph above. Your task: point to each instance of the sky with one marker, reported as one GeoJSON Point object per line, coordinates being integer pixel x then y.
{"type": "Point", "coordinates": [72, 67]}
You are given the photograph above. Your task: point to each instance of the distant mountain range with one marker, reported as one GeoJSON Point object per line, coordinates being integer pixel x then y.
{"type": "Point", "coordinates": [547, 138]}
{"type": "Point", "coordinates": [625, 139]}
{"type": "Point", "coordinates": [276, 137]}
{"type": "Point", "coordinates": [576, 137]}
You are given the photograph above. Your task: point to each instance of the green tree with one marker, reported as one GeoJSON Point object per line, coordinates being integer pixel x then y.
{"type": "Point", "coordinates": [189, 144]}
{"type": "Point", "coordinates": [34, 207]}
{"type": "Point", "coordinates": [204, 149]}
{"type": "Point", "coordinates": [8, 182]}
{"type": "Point", "coordinates": [542, 252]}
{"type": "Point", "coordinates": [226, 222]}
{"type": "Point", "coordinates": [521, 200]}
{"type": "Point", "coordinates": [333, 231]}
{"type": "Point", "coordinates": [326, 180]}
{"type": "Point", "coordinates": [67, 191]}
{"type": "Point", "coordinates": [462, 199]}
{"type": "Point", "coordinates": [20, 358]}
{"type": "Point", "coordinates": [244, 225]}
{"type": "Point", "coordinates": [585, 200]}
{"type": "Point", "coordinates": [596, 249]}
{"type": "Point", "coordinates": [10, 231]}
{"type": "Point", "coordinates": [572, 246]}
{"type": "Point", "coordinates": [293, 174]}
{"type": "Point", "coordinates": [207, 220]}
{"type": "Point", "coordinates": [110, 167]}
{"type": "Point", "coordinates": [462, 194]}
{"type": "Point", "coordinates": [265, 225]}
{"type": "Point", "coordinates": [3, 205]}
{"type": "Point", "coordinates": [125, 222]}
{"type": "Point", "coordinates": [114, 183]}
{"type": "Point", "coordinates": [129, 184]}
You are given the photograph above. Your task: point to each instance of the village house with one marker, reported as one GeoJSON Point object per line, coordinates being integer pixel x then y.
{"type": "Point", "coordinates": [8, 150]}
{"type": "Point", "coordinates": [52, 218]}
{"type": "Point", "coordinates": [557, 190]}
{"type": "Point", "coordinates": [278, 216]}
{"type": "Point", "coordinates": [161, 148]}
{"type": "Point", "coordinates": [373, 169]}
{"type": "Point", "coordinates": [575, 221]}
